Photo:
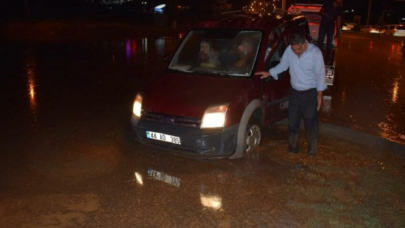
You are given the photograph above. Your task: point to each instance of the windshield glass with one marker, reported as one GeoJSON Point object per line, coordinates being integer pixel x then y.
{"type": "Point", "coordinates": [218, 52]}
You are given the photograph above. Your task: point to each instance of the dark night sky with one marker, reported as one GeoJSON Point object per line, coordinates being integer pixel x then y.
{"type": "Point", "coordinates": [360, 7]}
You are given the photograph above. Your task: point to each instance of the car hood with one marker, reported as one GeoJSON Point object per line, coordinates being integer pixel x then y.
{"type": "Point", "coordinates": [190, 95]}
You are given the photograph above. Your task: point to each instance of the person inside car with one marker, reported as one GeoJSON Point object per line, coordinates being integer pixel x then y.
{"type": "Point", "coordinates": [245, 51]}
{"type": "Point", "coordinates": [207, 57]}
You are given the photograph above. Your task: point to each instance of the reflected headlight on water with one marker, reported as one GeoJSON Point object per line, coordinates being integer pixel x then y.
{"type": "Point", "coordinates": [138, 178]}
{"type": "Point", "coordinates": [211, 201]}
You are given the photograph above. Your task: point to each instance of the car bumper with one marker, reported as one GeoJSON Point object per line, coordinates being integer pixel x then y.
{"type": "Point", "coordinates": [209, 143]}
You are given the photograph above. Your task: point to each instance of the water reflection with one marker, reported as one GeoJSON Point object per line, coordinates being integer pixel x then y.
{"type": "Point", "coordinates": [160, 46]}
{"type": "Point", "coordinates": [343, 97]}
{"type": "Point", "coordinates": [138, 178]}
{"type": "Point", "coordinates": [131, 47]}
{"type": "Point", "coordinates": [211, 201]}
{"type": "Point", "coordinates": [30, 71]}
{"type": "Point", "coordinates": [327, 104]}
{"type": "Point", "coordinates": [145, 46]}
{"type": "Point", "coordinates": [395, 91]}
{"type": "Point", "coordinates": [160, 176]}
{"type": "Point", "coordinates": [128, 48]}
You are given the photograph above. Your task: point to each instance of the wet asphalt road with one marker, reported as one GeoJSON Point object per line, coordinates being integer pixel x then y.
{"type": "Point", "coordinates": [369, 91]}
{"type": "Point", "coordinates": [67, 158]}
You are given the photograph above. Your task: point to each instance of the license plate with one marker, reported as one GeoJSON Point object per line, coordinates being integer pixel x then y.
{"type": "Point", "coordinates": [163, 137]}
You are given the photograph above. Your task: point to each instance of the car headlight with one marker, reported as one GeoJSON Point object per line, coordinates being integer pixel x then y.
{"type": "Point", "coordinates": [136, 109]}
{"type": "Point", "coordinates": [214, 116]}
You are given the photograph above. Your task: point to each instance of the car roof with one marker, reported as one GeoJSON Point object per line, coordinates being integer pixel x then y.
{"type": "Point", "coordinates": [248, 21]}
{"type": "Point", "coordinates": [299, 8]}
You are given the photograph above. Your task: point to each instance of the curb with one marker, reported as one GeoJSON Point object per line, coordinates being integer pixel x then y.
{"type": "Point", "coordinates": [358, 137]}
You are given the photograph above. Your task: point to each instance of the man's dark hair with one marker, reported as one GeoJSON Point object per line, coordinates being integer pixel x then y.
{"type": "Point", "coordinates": [297, 38]}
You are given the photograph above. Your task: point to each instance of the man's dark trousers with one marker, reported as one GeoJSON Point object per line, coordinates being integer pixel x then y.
{"type": "Point", "coordinates": [303, 104]}
{"type": "Point", "coordinates": [328, 31]}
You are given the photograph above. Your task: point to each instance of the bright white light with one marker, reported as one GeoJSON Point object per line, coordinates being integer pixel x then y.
{"type": "Point", "coordinates": [160, 6]}
{"type": "Point", "coordinates": [138, 178]}
{"type": "Point", "coordinates": [214, 202]}
{"type": "Point", "coordinates": [137, 106]}
{"type": "Point", "coordinates": [212, 120]}
{"type": "Point", "coordinates": [214, 117]}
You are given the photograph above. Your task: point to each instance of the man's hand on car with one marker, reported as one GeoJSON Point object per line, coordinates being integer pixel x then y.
{"type": "Point", "coordinates": [263, 74]}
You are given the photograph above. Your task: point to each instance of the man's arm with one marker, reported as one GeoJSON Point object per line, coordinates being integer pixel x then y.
{"type": "Point", "coordinates": [320, 76]}
{"type": "Point", "coordinates": [281, 67]}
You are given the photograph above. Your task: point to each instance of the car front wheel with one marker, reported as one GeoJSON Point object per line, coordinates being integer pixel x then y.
{"type": "Point", "coordinates": [253, 136]}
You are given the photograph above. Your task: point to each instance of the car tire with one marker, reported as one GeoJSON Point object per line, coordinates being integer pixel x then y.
{"type": "Point", "coordinates": [253, 135]}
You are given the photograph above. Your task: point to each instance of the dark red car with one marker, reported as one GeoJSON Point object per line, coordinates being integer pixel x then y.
{"type": "Point", "coordinates": [208, 102]}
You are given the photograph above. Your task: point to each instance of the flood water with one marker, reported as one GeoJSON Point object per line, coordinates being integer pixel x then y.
{"type": "Point", "coordinates": [369, 92]}
{"type": "Point", "coordinates": [48, 80]}
{"type": "Point", "coordinates": [66, 159]}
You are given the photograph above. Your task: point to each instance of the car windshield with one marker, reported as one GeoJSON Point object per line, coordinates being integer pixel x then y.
{"type": "Point", "coordinates": [218, 52]}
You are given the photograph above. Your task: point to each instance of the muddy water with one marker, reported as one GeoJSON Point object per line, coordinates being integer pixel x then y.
{"type": "Point", "coordinates": [46, 80]}
{"type": "Point", "coordinates": [369, 92]}
{"type": "Point", "coordinates": [66, 159]}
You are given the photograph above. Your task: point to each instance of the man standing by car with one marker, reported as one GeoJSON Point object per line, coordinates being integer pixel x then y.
{"type": "Point", "coordinates": [307, 71]}
{"type": "Point", "coordinates": [331, 13]}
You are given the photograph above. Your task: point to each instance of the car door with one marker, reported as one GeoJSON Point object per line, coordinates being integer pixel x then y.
{"type": "Point", "coordinates": [276, 91]}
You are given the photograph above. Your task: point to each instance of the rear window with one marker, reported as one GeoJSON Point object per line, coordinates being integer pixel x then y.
{"type": "Point", "coordinates": [217, 52]}
{"type": "Point", "coordinates": [401, 27]}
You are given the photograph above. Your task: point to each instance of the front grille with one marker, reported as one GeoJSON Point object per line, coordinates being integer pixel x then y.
{"type": "Point", "coordinates": [168, 119]}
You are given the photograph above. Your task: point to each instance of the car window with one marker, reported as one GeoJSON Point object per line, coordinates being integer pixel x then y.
{"type": "Point", "coordinates": [277, 54]}
{"type": "Point", "coordinates": [401, 27]}
{"type": "Point", "coordinates": [271, 43]}
{"type": "Point", "coordinates": [218, 52]}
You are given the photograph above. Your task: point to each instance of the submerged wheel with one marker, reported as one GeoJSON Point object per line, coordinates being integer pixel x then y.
{"type": "Point", "coordinates": [253, 136]}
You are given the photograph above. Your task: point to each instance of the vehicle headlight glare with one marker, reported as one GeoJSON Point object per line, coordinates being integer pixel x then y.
{"type": "Point", "coordinates": [214, 117]}
{"type": "Point", "coordinates": [136, 109]}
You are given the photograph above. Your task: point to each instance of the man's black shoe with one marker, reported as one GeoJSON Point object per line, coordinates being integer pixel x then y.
{"type": "Point", "coordinates": [311, 154]}
{"type": "Point", "coordinates": [292, 151]}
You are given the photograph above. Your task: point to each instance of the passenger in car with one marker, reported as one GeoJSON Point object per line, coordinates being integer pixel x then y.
{"type": "Point", "coordinates": [245, 52]}
{"type": "Point", "coordinates": [207, 57]}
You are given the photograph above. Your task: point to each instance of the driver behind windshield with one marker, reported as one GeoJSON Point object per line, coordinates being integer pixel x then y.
{"type": "Point", "coordinates": [246, 52]}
